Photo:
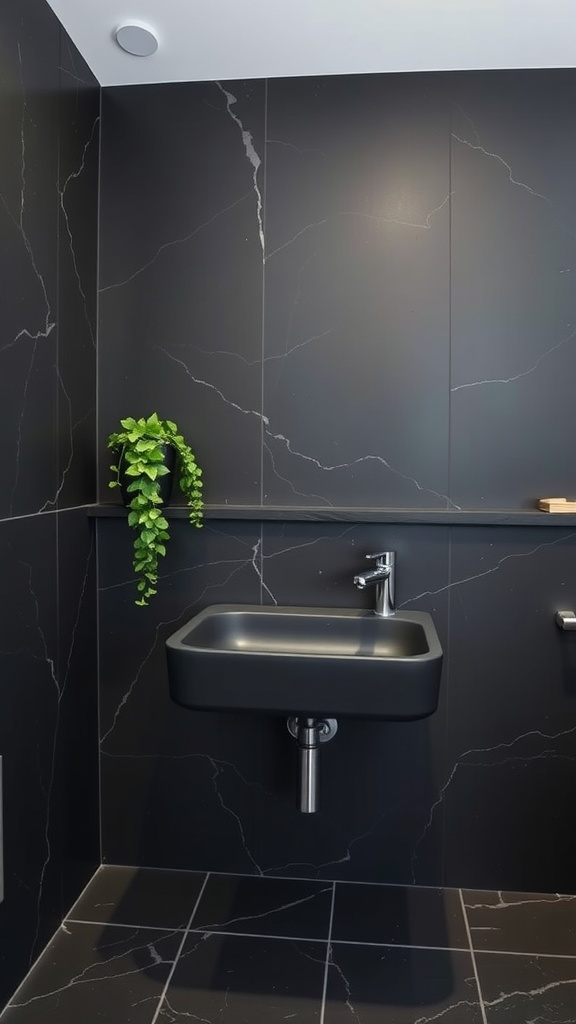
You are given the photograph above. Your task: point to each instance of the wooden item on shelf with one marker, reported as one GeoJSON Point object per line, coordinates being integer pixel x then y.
{"type": "Point", "coordinates": [557, 505]}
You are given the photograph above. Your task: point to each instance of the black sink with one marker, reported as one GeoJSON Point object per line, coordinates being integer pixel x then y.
{"type": "Point", "coordinates": [309, 661]}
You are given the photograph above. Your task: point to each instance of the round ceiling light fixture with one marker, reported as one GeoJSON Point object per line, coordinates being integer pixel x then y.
{"type": "Point", "coordinates": [138, 39]}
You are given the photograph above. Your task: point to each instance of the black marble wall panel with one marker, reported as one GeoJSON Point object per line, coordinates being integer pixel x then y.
{"type": "Point", "coordinates": [513, 253]}
{"type": "Point", "coordinates": [29, 81]}
{"type": "Point", "coordinates": [77, 749]}
{"type": "Point", "coordinates": [348, 291]}
{"type": "Point", "coordinates": [79, 112]}
{"type": "Point", "coordinates": [181, 271]}
{"type": "Point", "coordinates": [28, 723]}
{"type": "Point", "coordinates": [511, 740]}
{"type": "Point", "coordinates": [356, 320]}
{"type": "Point", "coordinates": [49, 108]}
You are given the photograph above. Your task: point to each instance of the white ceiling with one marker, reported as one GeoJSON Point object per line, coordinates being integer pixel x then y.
{"type": "Point", "coordinates": [225, 39]}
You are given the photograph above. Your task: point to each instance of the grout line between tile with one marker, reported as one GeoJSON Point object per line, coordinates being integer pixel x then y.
{"type": "Point", "coordinates": [472, 954]}
{"type": "Point", "coordinates": [328, 955]}
{"type": "Point", "coordinates": [117, 924]}
{"type": "Point", "coordinates": [316, 938]}
{"type": "Point", "coordinates": [292, 878]}
{"type": "Point", "coordinates": [180, 948]}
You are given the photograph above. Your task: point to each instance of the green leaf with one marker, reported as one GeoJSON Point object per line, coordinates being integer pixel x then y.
{"type": "Point", "coordinates": [151, 471]}
{"type": "Point", "coordinates": [147, 536]}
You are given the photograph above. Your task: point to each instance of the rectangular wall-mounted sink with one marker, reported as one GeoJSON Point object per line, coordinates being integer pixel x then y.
{"type": "Point", "coordinates": [342, 662]}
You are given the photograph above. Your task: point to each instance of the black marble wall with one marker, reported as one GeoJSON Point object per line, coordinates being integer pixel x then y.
{"type": "Point", "coordinates": [349, 292]}
{"type": "Point", "coordinates": [49, 123]}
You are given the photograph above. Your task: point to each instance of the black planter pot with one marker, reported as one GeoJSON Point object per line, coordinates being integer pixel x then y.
{"type": "Point", "coordinates": [165, 483]}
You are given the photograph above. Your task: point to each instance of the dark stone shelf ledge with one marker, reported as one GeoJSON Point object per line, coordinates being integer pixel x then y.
{"type": "Point", "coordinates": [444, 517]}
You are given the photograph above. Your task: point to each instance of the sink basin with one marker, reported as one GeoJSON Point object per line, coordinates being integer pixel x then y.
{"type": "Point", "coordinates": [342, 662]}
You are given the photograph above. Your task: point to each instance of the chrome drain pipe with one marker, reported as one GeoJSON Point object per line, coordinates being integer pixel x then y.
{"type": "Point", "coordinates": [309, 734]}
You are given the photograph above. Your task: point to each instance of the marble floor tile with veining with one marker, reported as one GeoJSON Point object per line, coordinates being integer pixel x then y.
{"type": "Point", "coordinates": [150, 946]}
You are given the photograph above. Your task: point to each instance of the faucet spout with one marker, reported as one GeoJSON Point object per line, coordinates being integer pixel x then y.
{"type": "Point", "coordinates": [382, 577]}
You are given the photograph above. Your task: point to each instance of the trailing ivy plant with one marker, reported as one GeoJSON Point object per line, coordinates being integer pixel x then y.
{"type": "Point", "coordinates": [141, 454]}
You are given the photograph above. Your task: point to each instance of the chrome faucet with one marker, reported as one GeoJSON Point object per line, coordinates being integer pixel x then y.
{"type": "Point", "coordinates": [383, 578]}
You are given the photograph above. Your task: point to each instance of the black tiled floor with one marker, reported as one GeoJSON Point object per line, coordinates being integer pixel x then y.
{"type": "Point", "coordinates": [522, 921]}
{"type": "Point", "coordinates": [236, 980]}
{"type": "Point", "coordinates": [262, 950]}
{"type": "Point", "coordinates": [265, 906]}
{"type": "Point", "coordinates": [97, 973]}
{"type": "Point", "coordinates": [402, 915]}
{"type": "Point", "coordinates": [373, 984]}
{"type": "Point", "coordinates": [147, 897]}
{"type": "Point", "coordinates": [527, 989]}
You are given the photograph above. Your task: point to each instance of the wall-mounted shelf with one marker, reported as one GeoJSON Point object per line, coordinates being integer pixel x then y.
{"type": "Point", "coordinates": [440, 517]}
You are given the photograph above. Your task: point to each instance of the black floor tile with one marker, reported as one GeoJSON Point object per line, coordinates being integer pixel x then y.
{"type": "Point", "coordinates": [96, 974]}
{"type": "Point", "coordinates": [522, 922]}
{"type": "Point", "coordinates": [265, 906]}
{"type": "Point", "coordinates": [386, 985]}
{"type": "Point", "coordinates": [522, 989]}
{"type": "Point", "coordinates": [403, 915]}
{"type": "Point", "coordinates": [237, 980]}
{"type": "Point", "coordinates": [147, 897]}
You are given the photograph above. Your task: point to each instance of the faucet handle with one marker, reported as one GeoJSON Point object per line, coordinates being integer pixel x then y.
{"type": "Point", "coordinates": [384, 557]}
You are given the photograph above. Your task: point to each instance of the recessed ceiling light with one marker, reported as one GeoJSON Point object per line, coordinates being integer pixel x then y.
{"type": "Point", "coordinates": [137, 39]}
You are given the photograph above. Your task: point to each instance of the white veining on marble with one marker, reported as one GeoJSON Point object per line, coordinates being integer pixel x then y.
{"type": "Point", "coordinates": [344, 859]}
{"type": "Point", "coordinates": [285, 480]}
{"type": "Point", "coordinates": [73, 176]}
{"type": "Point", "coordinates": [253, 159]}
{"type": "Point", "coordinates": [82, 977]}
{"type": "Point", "coordinates": [218, 766]}
{"type": "Point", "coordinates": [346, 983]}
{"type": "Point", "coordinates": [221, 925]}
{"type": "Point", "coordinates": [258, 570]}
{"type": "Point", "coordinates": [463, 762]}
{"type": "Point", "coordinates": [523, 373]}
{"type": "Point", "coordinates": [173, 1015]}
{"type": "Point", "coordinates": [358, 214]}
{"type": "Point", "coordinates": [232, 813]}
{"type": "Point", "coordinates": [285, 441]}
{"type": "Point", "coordinates": [159, 626]}
{"type": "Point", "coordinates": [173, 242]}
{"type": "Point", "coordinates": [530, 993]}
{"type": "Point", "coordinates": [474, 1005]}
{"type": "Point", "coordinates": [238, 562]}
{"type": "Point", "coordinates": [502, 904]}
{"type": "Point", "coordinates": [356, 462]}
{"type": "Point", "coordinates": [505, 164]}
{"type": "Point", "coordinates": [266, 359]}
{"type": "Point", "coordinates": [487, 572]}
{"type": "Point", "coordinates": [51, 503]}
